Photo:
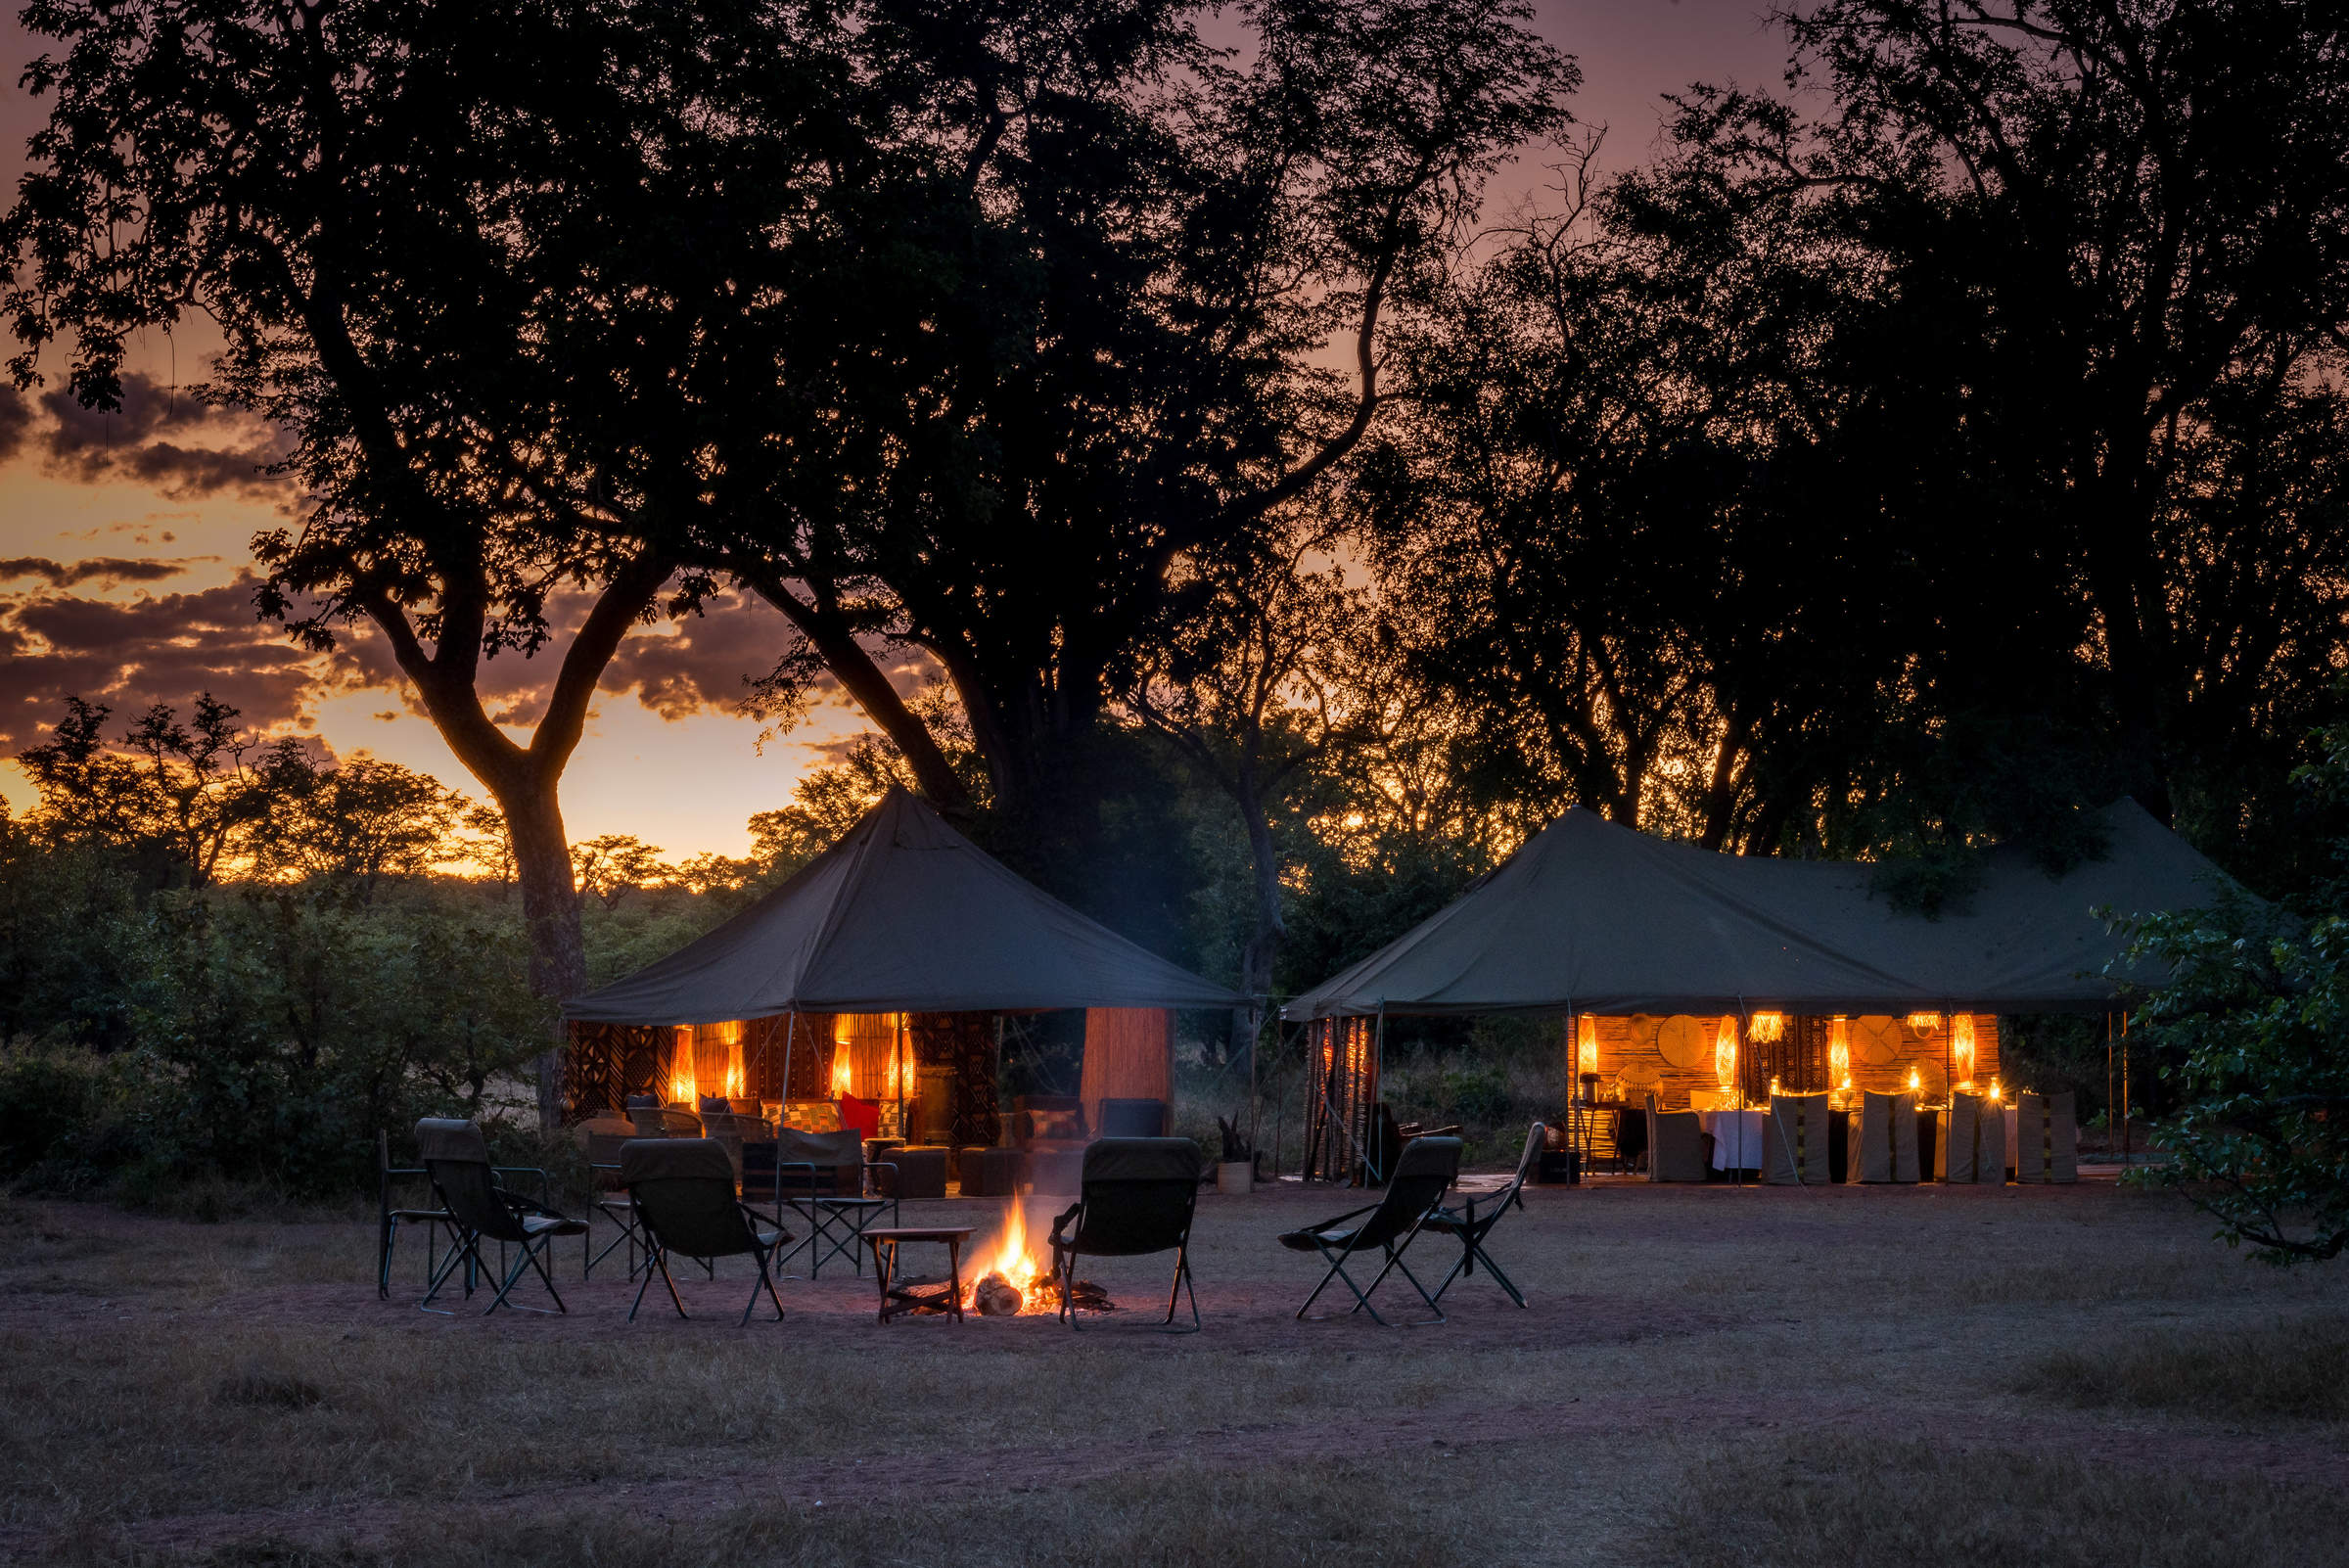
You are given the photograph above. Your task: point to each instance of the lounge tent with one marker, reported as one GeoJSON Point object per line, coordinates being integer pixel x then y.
{"type": "Point", "coordinates": [906, 916]}
{"type": "Point", "coordinates": [1590, 919]}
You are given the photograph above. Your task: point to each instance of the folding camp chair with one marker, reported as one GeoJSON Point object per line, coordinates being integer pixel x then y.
{"type": "Point", "coordinates": [684, 1194]}
{"type": "Point", "coordinates": [1471, 1227]}
{"type": "Point", "coordinates": [823, 1176]}
{"type": "Point", "coordinates": [1421, 1176]}
{"type": "Point", "coordinates": [604, 1139]}
{"type": "Point", "coordinates": [438, 1226]}
{"type": "Point", "coordinates": [1135, 1196]}
{"type": "Point", "coordinates": [457, 1158]}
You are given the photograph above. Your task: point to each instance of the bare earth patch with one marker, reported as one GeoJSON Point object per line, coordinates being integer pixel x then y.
{"type": "Point", "coordinates": [1693, 1363]}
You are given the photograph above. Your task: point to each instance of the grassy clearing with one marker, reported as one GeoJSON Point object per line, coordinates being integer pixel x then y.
{"type": "Point", "coordinates": [164, 1399]}
{"type": "Point", "coordinates": [2291, 1371]}
{"type": "Point", "coordinates": [1177, 1517]}
{"type": "Point", "coordinates": [1845, 1501]}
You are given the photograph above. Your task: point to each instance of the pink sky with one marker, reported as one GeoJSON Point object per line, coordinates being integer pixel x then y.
{"type": "Point", "coordinates": [126, 574]}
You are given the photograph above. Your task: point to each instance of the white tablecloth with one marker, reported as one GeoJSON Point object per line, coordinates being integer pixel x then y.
{"type": "Point", "coordinates": [1736, 1138]}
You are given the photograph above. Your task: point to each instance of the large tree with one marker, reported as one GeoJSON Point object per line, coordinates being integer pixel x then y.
{"type": "Point", "coordinates": [1077, 339]}
{"type": "Point", "coordinates": [408, 229]}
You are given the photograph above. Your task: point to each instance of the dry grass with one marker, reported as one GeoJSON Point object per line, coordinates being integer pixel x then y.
{"type": "Point", "coordinates": [180, 1393]}
{"type": "Point", "coordinates": [1841, 1501]}
{"type": "Point", "coordinates": [2291, 1371]}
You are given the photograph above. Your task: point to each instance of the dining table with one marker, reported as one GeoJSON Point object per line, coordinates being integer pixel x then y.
{"type": "Point", "coordinates": [1736, 1138]}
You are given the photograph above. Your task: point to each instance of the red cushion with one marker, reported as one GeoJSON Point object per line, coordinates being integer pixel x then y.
{"type": "Point", "coordinates": [865, 1116]}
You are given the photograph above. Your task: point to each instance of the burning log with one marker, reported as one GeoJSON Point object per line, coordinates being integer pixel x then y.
{"type": "Point", "coordinates": [1088, 1297]}
{"type": "Point", "coordinates": [998, 1297]}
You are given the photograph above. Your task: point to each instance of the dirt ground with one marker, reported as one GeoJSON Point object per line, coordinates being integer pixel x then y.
{"type": "Point", "coordinates": [1703, 1375]}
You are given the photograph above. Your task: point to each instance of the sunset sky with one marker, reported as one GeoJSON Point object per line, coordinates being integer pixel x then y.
{"type": "Point", "coordinates": [126, 574]}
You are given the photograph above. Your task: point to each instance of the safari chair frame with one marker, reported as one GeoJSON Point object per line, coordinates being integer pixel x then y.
{"type": "Point", "coordinates": [1411, 1198]}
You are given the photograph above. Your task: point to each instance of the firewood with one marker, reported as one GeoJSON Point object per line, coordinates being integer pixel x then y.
{"type": "Point", "coordinates": [998, 1297]}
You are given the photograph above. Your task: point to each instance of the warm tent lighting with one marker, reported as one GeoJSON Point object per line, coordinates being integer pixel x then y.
{"type": "Point", "coordinates": [1916, 1085]}
{"type": "Point", "coordinates": [1724, 1053]}
{"type": "Point", "coordinates": [680, 1079]}
{"type": "Point", "coordinates": [1961, 1047]}
{"type": "Point", "coordinates": [1767, 1027]}
{"type": "Point", "coordinates": [1924, 1023]}
{"type": "Point", "coordinates": [843, 1082]}
{"type": "Point", "coordinates": [1839, 1050]}
{"type": "Point", "coordinates": [1994, 1091]}
{"type": "Point", "coordinates": [1585, 1049]}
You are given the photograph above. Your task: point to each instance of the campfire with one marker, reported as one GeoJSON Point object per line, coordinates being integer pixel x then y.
{"type": "Point", "coordinates": [1013, 1281]}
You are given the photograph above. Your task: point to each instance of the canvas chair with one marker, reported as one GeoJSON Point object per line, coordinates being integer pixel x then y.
{"type": "Point", "coordinates": [1794, 1141]}
{"type": "Point", "coordinates": [389, 1219]}
{"type": "Point", "coordinates": [1990, 1145]}
{"type": "Point", "coordinates": [1135, 1196]}
{"type": "Point", "coordinates": [824, 1176]}
{"type": "Point", "coordinates": [602, 1139]}
{"type": "Point", "coordinates": [1134, 1118]}
{"type": "Point", "coordinates": [1676, 1144]}
{"type": "Point", "coordinates": [1471, 1228]}
{"type": "Point", "coordinates": [2046, 1139]}
{"type": "Point", "coordinates": [1884, 1142]}
{"type": "Point", "coordinates": [1422, 1176]}
{"type": "Point", "coordinates": [684, 1194]}
{"type": "Point", "coordinates": [1960, 1134]}
{"type": "Point", "coordinates": [457, 1158]}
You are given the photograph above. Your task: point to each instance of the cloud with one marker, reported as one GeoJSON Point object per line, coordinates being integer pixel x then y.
{"type": "Point", "coordinates": [160, 437]}
{"type": "Point", "coordinates": [16, 421]}
{"type": "Point", "coordinates": [700, 661]}
{"type": "Point", "coordinates": [107, 568]}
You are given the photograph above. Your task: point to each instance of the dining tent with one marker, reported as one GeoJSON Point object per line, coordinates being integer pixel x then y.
{"type": "Point", "coordinates": [902, 916]}
{"type": "Point", "coordinates": [1591, 918]}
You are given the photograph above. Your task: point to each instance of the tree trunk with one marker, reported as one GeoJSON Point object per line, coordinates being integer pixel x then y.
{"type": "Point", "coordinates": [550, 912]}
{"type": "Point", "coordinates": [1256, 959]}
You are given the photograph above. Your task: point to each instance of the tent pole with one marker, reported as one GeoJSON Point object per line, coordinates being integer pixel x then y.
{"type": "Point", "coordinates": [1378, 1087]}
{"type": "Point", "coordinates": [1255, 1038]}
{"type": "Point", "coordinates": [1002, 1124]}
{"type": "Point", "coordinates": [791, 1027]}
{"type": "Point", "coordinates": [2127, 1150]}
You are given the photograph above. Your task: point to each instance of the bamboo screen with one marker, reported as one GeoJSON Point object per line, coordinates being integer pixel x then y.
{"type": "Point", "coordinates": [1632, 1055]}
{"type": "Point", "coordinates": [1342, 1096]}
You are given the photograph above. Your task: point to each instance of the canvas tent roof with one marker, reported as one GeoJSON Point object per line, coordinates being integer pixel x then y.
{"type": "Point", "coordinates": [1598, 918]}
{"type": "Point", "coordinates": [902, 914]}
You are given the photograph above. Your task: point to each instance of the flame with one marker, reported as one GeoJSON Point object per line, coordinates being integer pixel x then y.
{"type": "Point", "coordinates": [1020, 1268]}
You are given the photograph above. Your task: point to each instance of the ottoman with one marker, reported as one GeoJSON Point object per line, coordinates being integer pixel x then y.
{"type": "Point", "coordinates": [921, 1170]}
{"type": "Point", "coordinates": [990, 1173]}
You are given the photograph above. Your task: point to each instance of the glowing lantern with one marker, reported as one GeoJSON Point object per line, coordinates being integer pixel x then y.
{"type": "Point", "coordinates": [1585, 1048]}
{"type": "Point", "coordinates": [1839, 1051]}
{"type": "Point", "coordinates": [1961, 1047]}
{"type": "Point", "coordinates": [1916, 1085]}
{"type": "Point", "coordinates": [1767, 1028]}
{"type": "Point", "coordinates": [1724, 1053]}
{"type": "Point", "coordinates": [843, 1081]}
{"type": "Point", "coordinates": [1924, 1023]}
{"type": "Point", "coordinates": [1994, 1091]}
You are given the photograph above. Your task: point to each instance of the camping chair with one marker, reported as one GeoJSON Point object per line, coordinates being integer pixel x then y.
{"type": "Point", "coordinates": [1794, 1141]}
{"type": "Point", "coordinates": [457, 1158]}
{"type": "Point", "coordinates": [1421, 1177]}
{"type": "Point", "coordinates": [1471, 1227]}
{"type": "Point", "coordinates": [1676, 1144]}
{"type": "Point", "coordinates": [1135, 1197]}
{"type": "Point", "coordinates": [604, 1137]}
{"type": "Point", "coordinates": [684, 1194]}
{"type": "Point", "coordinates": [824, 1176]}
{"type": "Point", "coordinates": [1885, 1148]}
{"type": "Point", "coordinates": [388, 1219]}
{"type": "Point", "coordinates": [2046, 1139]}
